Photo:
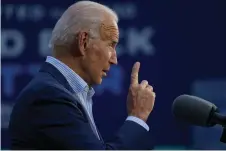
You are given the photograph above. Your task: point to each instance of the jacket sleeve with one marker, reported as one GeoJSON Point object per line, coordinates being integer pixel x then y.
{"type": "Point", "coordinates": [63, 124]}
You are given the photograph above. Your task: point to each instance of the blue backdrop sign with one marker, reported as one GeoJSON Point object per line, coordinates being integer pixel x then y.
{"type": "Point", "coordinates": [177, 44]}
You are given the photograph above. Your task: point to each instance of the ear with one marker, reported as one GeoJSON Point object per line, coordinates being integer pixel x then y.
{"type": "Point", "coordinates": [83, 38]}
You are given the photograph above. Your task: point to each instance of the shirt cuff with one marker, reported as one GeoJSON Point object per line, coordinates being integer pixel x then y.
{"type": "Point", "coordinates": [138, 121]}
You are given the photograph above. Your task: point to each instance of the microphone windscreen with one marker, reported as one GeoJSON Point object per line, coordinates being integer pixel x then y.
{"type": "Point", "coordinates": [193, 110]}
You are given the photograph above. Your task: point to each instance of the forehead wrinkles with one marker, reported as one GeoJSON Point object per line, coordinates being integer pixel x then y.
{"type": "Point", "coordinates": [109, 32]}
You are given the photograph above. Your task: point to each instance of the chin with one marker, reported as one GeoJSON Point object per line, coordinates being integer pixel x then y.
{"type": "Point", "coordinates": [98, 81]}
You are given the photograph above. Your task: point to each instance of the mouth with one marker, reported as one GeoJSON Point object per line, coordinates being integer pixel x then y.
{"type": "Point", "coordinates": [105, 72]}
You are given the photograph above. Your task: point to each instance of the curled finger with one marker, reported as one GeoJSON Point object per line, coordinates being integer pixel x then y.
{"type": "Point", "coordinates": [153, 94]}
{"type": "Point", "coordinates": [149, 87]}
{"type": "Point", "coordinates": [144, 84]}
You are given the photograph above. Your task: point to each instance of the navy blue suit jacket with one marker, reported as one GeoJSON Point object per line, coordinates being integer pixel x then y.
{"type": "Point", "coordinates": [47, 116]}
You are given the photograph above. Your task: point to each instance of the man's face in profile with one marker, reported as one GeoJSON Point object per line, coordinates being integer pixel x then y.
{"type": "Point", "coordinates": [101, 52]}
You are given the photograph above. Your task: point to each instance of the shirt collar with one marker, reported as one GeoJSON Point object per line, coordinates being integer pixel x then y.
{"type": "Point", "coordinates": [74, 80]}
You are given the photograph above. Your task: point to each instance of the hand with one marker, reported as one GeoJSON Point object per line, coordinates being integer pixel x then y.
{"type": "Point", "coordinates": [141, 98]}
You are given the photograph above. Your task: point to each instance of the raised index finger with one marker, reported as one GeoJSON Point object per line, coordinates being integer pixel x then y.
{"type": "Point", "coordinates": [134, 74]}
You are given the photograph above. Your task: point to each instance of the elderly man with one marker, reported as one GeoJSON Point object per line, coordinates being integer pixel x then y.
{"type": "Point", "coordinates": [54, 111]}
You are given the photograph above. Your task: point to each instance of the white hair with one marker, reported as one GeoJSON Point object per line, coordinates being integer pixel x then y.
{"type": "Point", "coordinates": [79, 16]}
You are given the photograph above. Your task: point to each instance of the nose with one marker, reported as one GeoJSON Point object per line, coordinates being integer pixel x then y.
{"type": "Point", "coordinates": [113, 59]}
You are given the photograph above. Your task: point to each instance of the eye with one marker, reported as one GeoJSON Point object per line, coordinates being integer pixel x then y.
{"type": "Point", "coordinates": [113, 44]}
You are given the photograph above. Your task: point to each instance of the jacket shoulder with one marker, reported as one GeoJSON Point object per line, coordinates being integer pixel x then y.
{"type": "Point", "coordinates": [44, 87]}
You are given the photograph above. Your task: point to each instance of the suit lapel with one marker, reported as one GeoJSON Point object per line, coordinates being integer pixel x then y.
{"type": "Point", "coordinates": [91, 122]}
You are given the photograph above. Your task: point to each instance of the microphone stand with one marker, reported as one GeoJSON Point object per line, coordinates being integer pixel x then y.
{"type": "Point", "coordinates": [221, 120]}
{"type": "Point", "coordinates": [223, 136]}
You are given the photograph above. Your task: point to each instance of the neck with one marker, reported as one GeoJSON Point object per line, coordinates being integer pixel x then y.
{"type": "Point", "coordinates": [75, 63]}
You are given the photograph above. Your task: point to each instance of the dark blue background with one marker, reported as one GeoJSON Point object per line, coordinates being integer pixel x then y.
{"type": "Point", "coordinates": [188, 45]}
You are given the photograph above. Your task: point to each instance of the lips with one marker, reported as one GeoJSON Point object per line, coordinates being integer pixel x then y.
{"type": "Point", "coordinates": [105, 72]}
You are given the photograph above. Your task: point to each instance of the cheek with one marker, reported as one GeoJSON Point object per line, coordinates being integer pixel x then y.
{"type": "Point", "coordinates": [94, 54]}
{"type": "Point", "coordinates": [102, 54]}
{"type": "Point", "coordinates": [106, 56]}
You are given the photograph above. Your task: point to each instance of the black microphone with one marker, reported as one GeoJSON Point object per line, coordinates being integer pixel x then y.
{"type": "Point", "coordinates": [199, 112]}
